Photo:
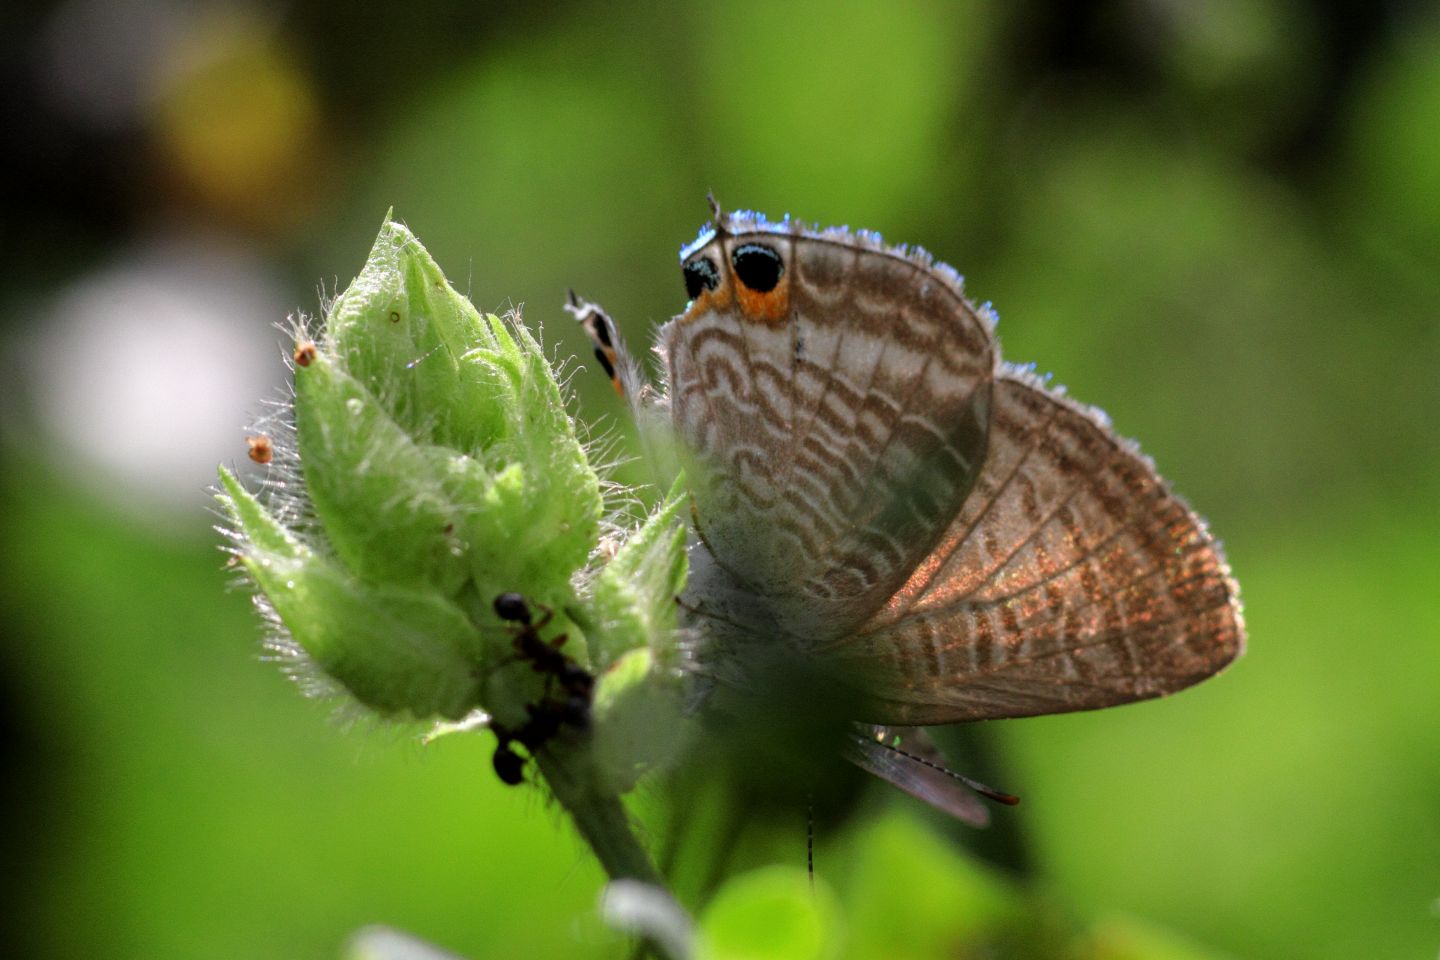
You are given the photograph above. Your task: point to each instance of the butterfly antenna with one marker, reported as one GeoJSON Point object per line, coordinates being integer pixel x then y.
{"type": "Point", "coordinates": [715, 213]}
{"type": "Point", "coordinates": [810, 839]}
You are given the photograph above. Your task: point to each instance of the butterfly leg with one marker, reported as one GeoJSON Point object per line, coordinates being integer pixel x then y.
{"type": "Point", "coordinates": [627, 375]}
{"type": "Point", "coordinates": [615, 359]}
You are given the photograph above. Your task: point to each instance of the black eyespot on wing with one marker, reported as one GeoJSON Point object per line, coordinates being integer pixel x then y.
{"type": "Point", "coordinates": [759, 267]}
{"type": "Point", "coordinates": [700, 275]}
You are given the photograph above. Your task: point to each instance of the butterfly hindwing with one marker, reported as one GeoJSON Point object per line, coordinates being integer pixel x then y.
{"type": "Point", "coordinates": [1072, 579]}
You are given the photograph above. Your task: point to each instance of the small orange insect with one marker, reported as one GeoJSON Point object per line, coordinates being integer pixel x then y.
{"type": "Point", "coordinates": [262, 450]}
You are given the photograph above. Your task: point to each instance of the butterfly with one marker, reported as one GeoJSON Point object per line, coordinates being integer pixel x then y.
{"type": "Point", "coordinates": [878, 497]}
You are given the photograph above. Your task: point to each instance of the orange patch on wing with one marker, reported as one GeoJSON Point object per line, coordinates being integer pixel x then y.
{"type": "Point", "coordinates": [770, 308]}
{"type": "Point", "coordinates": [717, 300]}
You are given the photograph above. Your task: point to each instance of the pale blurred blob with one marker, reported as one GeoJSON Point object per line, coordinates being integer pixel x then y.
{"type": "Point", "coordinates": [237, 123]}
{"type": "Point", "coordinates": [100, 58]}
{"type": "Point", "coordinates": [145, 371]}
{"type": "Point", "coordinates": [232, 121]}
{"type": "Point", "coordinates": [384, 943]}
{"type": "Point", "coordinates": [1245, 70]}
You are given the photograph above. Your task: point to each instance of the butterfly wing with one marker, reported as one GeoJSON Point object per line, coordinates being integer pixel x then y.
{"type": "Point", "coordinates": [1071, 579]}
{"type": "Point", "coordinates": [835, 416]}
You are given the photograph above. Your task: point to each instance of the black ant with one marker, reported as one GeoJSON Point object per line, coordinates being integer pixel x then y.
{"type": "Point", "coordinates": [547, 716]}
{"type": "Point", "coordinates": [545, 658]}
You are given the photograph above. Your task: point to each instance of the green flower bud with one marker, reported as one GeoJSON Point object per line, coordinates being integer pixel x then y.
{"type": "Point", "coordinates": [638, 698]}
{"type": "Point", "coordinates": [389, 506]}
{"type": "Point", "coordinates": [440, 469]}
{"type": "Point", "coordinates": [487, 480]}
{"type": "Point", "coordinates": [435, 469]}
{"type": "Point", "coordinates": [396, 649]}
{"type": "Point", "coordinates": [634, 594]}
{"type": "Point", "coordinates": [404, 332]}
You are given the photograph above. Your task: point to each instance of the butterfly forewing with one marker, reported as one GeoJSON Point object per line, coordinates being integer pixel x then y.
{"type": "Point", "coordinates": [1071, 579]}
{"type": "Point", "coordinates": [836, 421]}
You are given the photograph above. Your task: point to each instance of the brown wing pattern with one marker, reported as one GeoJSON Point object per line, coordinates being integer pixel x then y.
{"type": "Point", "coordinates": [1071, 579]}
{"type": "Point", "coordinates": [836, 423]}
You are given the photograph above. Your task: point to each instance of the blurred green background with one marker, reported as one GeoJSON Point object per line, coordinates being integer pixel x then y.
{"type": "Point", "coordinates": [1220, 221]}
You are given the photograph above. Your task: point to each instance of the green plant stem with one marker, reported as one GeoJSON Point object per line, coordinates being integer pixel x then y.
{"type": "Point", "coordinates": [568, 768]}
